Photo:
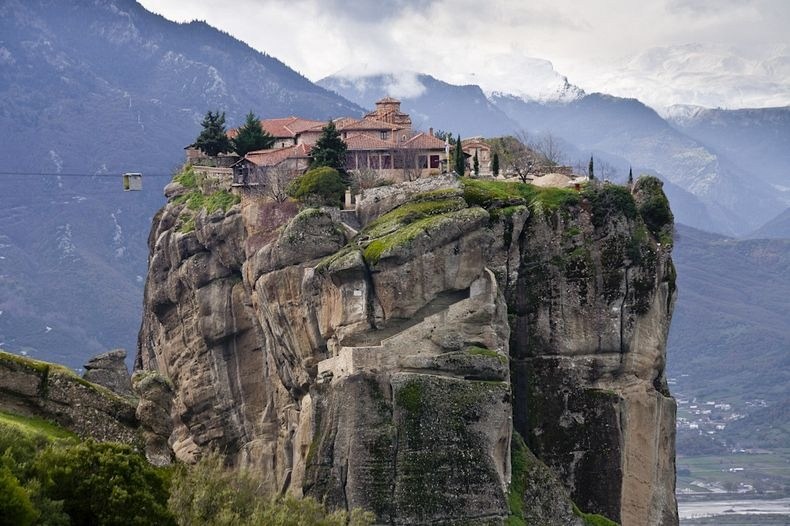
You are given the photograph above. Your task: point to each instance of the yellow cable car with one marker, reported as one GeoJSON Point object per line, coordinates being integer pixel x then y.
{"type": "Point", "coordinates": [132, 181]}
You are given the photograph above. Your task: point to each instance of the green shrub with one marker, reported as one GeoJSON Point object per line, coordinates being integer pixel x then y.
{"type": "Point", "coordinates": [104, 484]}
{"type": "Point", "coordinates": [593, 519]}
{"type": "Point", "coordinates": [15, 506]}
{"type": "Point", "coordinates": [320, 186]}
{"type": "Point", "coordinates": [208, 494]}
{"type": "Point", "coordinates": [608, 200]}
{"type": "Point", "coordinates": [654, 207]}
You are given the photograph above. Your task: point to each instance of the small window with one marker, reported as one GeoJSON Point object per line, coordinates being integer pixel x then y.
{"type": "Point", "coordinates": [385, 135]}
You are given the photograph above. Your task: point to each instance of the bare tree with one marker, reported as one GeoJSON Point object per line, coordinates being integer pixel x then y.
{"type": "Point", "coordinates": [277, 178]}
{"type": "Point", "coordinates": [408, 158]}
{"type": "Point", "coordinates": [549, 147]}
{"type": "Point", "coordinates": [365, 178]}
{"type": "Point", "coordinates": [606, 170]}
{"type": "Point", "coordinates": [515, 157]}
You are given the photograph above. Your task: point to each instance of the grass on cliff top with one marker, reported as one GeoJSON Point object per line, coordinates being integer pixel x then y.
{"type": "Point", "coordinates": [505, 194]}
{"type": "Point", "coordinates": [404, 224]}
{"type": "Point", "coordinates": [45, 369]}
{"type": "Point", "coordinates": [32, 427]}
{"type": "Point", "coordinates": [408, 232]}
{"type": "Point", "coordinates": [196, 199]}
{"type": "Point", "coordinates": [187, 177]}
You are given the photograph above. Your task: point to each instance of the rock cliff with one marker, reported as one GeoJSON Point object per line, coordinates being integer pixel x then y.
{"type": "Point", "coordinates": [41, 389]}
{"type": "Point", "coordinates": [389, 368]}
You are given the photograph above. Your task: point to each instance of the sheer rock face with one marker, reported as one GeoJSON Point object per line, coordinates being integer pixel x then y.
{"type": "Point", "coordinates": [591, 308]}
{"type": "Point", "coordinates": [384, 380]}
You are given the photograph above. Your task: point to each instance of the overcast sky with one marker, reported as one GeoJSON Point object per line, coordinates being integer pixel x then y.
{"type": "Point", "coordinates": [728, 53]}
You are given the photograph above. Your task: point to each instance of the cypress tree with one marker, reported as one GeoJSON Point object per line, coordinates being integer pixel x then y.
{"type": "Point", "coordinates": [630, 177]}
{"type": "Point", "coordinates": [476, 165]}
{"type": "Point", "coordinates": [251, 137]}
{"type": "Point", "coordinates": [460, 165]}
{"type": "Point", "coordinates": [495, 164]}
{"type": "Point", "coordinates": [591, 169]}
{"type": "Point", "coordinates": [213, 140]}
{"type": "Point", "coordinates": [329, 150]}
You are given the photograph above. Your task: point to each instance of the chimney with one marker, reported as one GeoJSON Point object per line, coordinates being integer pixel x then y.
{"type": "Point", "coordinates": [430, 132]}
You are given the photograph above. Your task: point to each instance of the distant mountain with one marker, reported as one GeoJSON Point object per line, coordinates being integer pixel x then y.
{"type": "Point", "coordinates": [707, 188]}
{"type": "Point", "coordinates": [106, 85]}
{"type": "Point", "coordinates": [100, 87]}
{"type": "Point", "coordinates": [705, 74]}
{"type": "Point", "coordinates": [776, 228]}
{"type": "Point", "coordinates": [730, 332]}
{"type": "Point", "coordinates": [463, 110]}
{"type": "Point", "coordinates": [735, 202]}
{"type": "Point", "coordinates": [756, 140]}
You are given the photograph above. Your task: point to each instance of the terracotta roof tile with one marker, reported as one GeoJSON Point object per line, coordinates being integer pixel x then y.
{"type": "Point", "coordinates": [424, 141]}
{"type": "Point", "coordinates": [276, 156]}
{"type": "Point", "coordinates": [365, 124]}
{"type": "Point", "coordinates": [362, 141]}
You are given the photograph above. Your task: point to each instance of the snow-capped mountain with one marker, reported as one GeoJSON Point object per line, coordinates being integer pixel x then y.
{"type": "Point", "coordinates": [701, 74]}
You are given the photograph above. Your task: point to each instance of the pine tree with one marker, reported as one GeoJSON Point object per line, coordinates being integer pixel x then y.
{"type": "Point", "coordinates": [591, 169]}
{"type": "Point", "coordinates": [495, 164]}
{"type": "Point", "coordinates": [476, 165]}
{"type": "Point", "coordinates": [213, 140]}
{"type": "Point", "coordinates": [460, 164]}
{"type": "Point", "coordinates": [251, 137]}
{"type": "Point", "coordinates": [329, 150]}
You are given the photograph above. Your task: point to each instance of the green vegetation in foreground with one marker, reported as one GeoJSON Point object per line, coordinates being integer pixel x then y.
{"type": "Point", "coordinates": [32, 426]}
{"type": "Point", "coordinates": [209, 494]}
{"type": "Point", "coordinates": [48, 478]}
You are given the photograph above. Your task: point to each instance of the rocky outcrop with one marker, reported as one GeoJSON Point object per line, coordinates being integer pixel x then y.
{"type": "Point", "coordinates": [387, 369]}
{"type": "Point", "coordinates": [590, 314]}
{"type": "Point", "coordinates": [109, 370]}
{"type": "Point", "coordinates": [34, 388]}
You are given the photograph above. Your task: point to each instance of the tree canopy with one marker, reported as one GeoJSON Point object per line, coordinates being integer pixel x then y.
{"type": "Point", "coordinates": [251, 136]}
{"type": "Point", "coordinates": [319, 186]}
{"type": "Point", "coordinates": [329, 150]}
{"type": "Point", "coordinates": [213, 139]}
{"type": "Point", "coordinates": [458, 158]}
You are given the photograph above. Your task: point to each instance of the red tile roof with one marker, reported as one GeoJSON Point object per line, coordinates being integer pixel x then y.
{"type": "Point", "coordinates": [347, 124]}
{"type": "Point", "coordinates": [290, 126]}
{"type": "Point", "coordinates": [362, 141]}
{"type": "Point", "coordinates": [275, 157]}
{"type": "Point", "coordinates": [424, 141]}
